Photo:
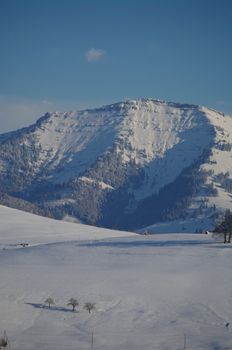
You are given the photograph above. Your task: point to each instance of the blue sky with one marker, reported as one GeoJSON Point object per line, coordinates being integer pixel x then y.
{"type": "Point", "coordinates": [66, 54]}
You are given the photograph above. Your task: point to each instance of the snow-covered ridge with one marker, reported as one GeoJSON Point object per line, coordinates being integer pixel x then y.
{"type": "Point", "coordinates": [145, 129]}
{"type": "Point", "coordinates": [135, 148]}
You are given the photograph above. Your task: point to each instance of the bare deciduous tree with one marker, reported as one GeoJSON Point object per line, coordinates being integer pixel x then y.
{"type": "Point", "coordinates": [49, 301]}
{"type": "Point", "coordinates": [89, 307]}
{"type": "Point", "coordinates": [73, 302]}
{"type": "Point", "coordinates": [4, 341]}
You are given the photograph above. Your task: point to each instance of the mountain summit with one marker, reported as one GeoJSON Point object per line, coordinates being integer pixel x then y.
{"type": "Point", "coordinates": [127, 165]}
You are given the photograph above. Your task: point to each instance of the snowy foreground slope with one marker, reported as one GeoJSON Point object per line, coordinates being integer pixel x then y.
{"type": "Point", "coordinates": [151, 292]}
{"type": "Point", "coordinates": [19, 227]}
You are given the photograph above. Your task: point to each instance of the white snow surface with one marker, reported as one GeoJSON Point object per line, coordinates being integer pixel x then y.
{"type": "Point", "coordinates": [188, 225]}
{"type": "Point", "coordinates": [151, 292]}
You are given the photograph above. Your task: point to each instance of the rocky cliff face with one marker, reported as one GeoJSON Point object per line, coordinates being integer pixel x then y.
{"type": "Point", "coordinates": [125, 165]}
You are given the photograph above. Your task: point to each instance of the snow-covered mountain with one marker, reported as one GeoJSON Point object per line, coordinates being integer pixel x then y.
{"type": "Point", "coordinates": [126, 165]}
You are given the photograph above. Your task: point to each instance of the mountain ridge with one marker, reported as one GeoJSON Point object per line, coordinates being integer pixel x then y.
{"type": "Point", "coordinates": [126, 157]}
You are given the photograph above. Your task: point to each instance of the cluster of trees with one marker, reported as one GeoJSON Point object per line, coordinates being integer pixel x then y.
{"type": "Point", "coordinates": [227, 185]}
{"type": "Point", "coordinates": [91, 202]}
{"type": "Point", "coordinates": [18, 158]}
{"type": "Point", "coordinates": [223, 146]}
{"type": "Point", "coordinates": [21, 204]}
{"type": "Point", "coordinates": [211, 190]}
{"type": "Point", "coordinates": [73, 303]}
{"type": "Point", "coordinates": [222, 176]}
{"type": "Point", "coordinates": [225, 227]}
{"type": "Point", "coordinates": [225, 181]}
{"type": "Point", "coordinates": [173, 200]}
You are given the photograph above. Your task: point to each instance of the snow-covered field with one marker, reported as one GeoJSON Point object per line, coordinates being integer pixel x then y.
{"type": "Point", "coordinates": [166, 291]}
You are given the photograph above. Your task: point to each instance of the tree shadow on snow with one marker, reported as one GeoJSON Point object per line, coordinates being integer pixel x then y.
{"type": "Point", "coordinates": [51, 308]}
{"type": "Point", "coordinates": [147, 243]}
{"type": "Point", "coordinates": [221, 245]}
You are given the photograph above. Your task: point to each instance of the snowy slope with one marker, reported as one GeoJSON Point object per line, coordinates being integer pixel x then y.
{"type": "Point", "coordinates": [151, 292]}
{"type": "Point", "coordinates": [162, 138]}
{"type": "Point", "coordinates": [19, 227]}
{"type": "Point", "coordinates": [65, 135]}
{"type": "Point", "coordinates": [219, 169]}
{"type": "Point", "coordinates": [221, 160]}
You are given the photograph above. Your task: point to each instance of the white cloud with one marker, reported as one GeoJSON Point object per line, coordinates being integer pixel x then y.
{"type": "Point", "coordinates": [93, 55]}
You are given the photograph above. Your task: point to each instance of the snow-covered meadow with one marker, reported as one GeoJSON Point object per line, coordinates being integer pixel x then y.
{"type": "Point", "coordinates": [165, 291]}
